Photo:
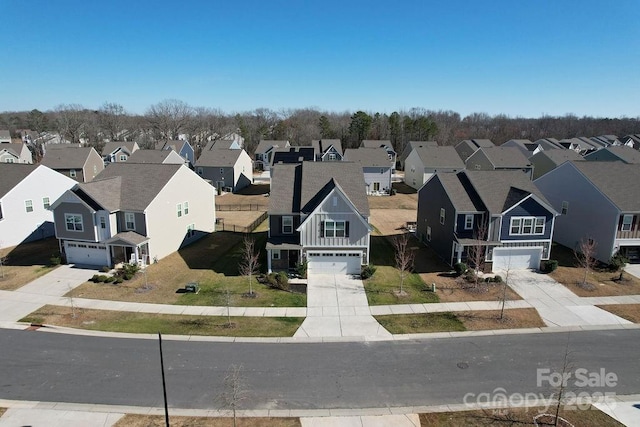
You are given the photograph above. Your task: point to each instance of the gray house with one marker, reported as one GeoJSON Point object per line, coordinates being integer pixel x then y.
{"type": "Point", "coordinates": [79, 163]}
{"type": "Point", "coordinates": [382, 143]}
{"type": "Point", "coordinates": [157, 157]}
{"type": "Point", "coordinates": [375, 167]}
{"type": "Point", "coordinates": [525, 146]}
{"type": "Point", "coordinates": [292, 155]}
{"type": "Point", "coordinates": [179, 146]}
{"type": "Point", "coordinates": [469, 146]}
{"type": "Point", "coordinates": [499, 158]}
{"type": "Point", "coordinates": [599, 201]}
{"type": "Point", "coordinates": [319, 213]}
{"type": "Point", "coordinates": [133, 213]}
{"type": "Point", "coordinates": [500, 213]}
{"type": "Point", "coordinates": [327, 150]}
{"type": "Point", "coordinates": [227, 170]}
{"type": "Point", "coordinates": [613, 153]}
{"type": "Point", "coordinates": [264, 152]}
{"type": "Point", "coordinates": [409, 147]}
{"type": "Point", "coordinates": [548, 160]}
{"type": "Point", "coordinates": [424, 161]}
{"type": "Point", "coordinates": [5, 136]}
{"type": "Point", "coordinates": [118, 151]}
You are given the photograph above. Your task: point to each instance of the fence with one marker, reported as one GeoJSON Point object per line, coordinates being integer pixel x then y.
{"type": "Point", "coordinates": [220, 225]}
{"type": "Point", "coordinates": [245, 207]}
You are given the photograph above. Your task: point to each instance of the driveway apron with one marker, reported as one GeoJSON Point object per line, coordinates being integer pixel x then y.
{"type": "Point", "coordinates": [337, 306]}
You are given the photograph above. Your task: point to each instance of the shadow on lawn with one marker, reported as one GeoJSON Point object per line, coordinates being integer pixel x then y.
{"type": "Point", "coordinates": [38, 252]}
{"type": "Point", "coordinates": [425, 261]}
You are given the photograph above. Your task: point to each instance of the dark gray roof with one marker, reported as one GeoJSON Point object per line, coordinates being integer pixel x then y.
{"type": "Point", "coordinates": [265, 144]}
{"type": "Point", "coordinates": [500, 190]}
{"type": "Point", "coordinates": [130, 237]}
{"type": "Point", "coordinates": [548, 143]}
{"type": "Point", "coordinates": [301, 187]}
{"type": "Point", "coordinates": [175, 145]}
{"type": "Point", "coordinates": [14, 148]}
{"type": "Point", "coordinates": [295, 154]}
{"type": "Point", "coordinates": [67, 158]}
{"type": "Point", "coordinates": [112, 146]}
{"type": "Point", "coordinates": [149, 156]}
{"type": "Point", "coordinates": [220, 144]}
{"type": "Point", "coordinates": [128, 186]}
{"type": "Point", "coordinates": [413, 144]}
{"type": "Point", "coordinates": [11, 174]}
{"type": "Point", "coordinates": [322, 145]}
{"type": "Point", "coordinates": [368, 157]}
{"type": "Point", "coordinates": [557, 155]}
{"type": "Point", "coordinates": [5, 134]}
{"type": "Point", "coordinates": [505, 157]}
{"type": "Point", "coordinates": [460, 194]}
{"type": "Point", "coordinates": [440, 157]}
{"type": "Point", "coordinates": [617, 180]}
{"type": "Point", "coordinates": [624, 153]}
{"type": "Point", "coordinates": [218, 158]}
{"type": "Point", "coordinates": [483, 143]}
{"type": "Point", "coordinates": [376, 143]}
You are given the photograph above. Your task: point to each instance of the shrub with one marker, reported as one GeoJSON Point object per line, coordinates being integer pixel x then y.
{"type": "Point", "coordinates": [497, 279]}
{"type": "Point", "coordinates": [55, 260]}
{"type": "Point", "coordinates": [617, 261]}
{"type": "Point", "coordinates": [470, 276]}
{"type": "Point", "coordinates": [301, 269]}
{"type": "Point", "coordinates": [549, 266]}
{"type": "Point", "coordinates": [105, 269]}
{"type": "Point", "coordinates": [94, 278]}
{"type": "Point", "coordinates": [367, 271]}
{"type": "Point", "coordinates": [99, 278]}
{"type": "Point", "coordinates": [129, 270]}
{"type": "Point", "coordinates": [110, 279]}
{"type": "Point", "coordinates": [118, 281]}
{"type": "Point", "coordinates": [278, 280]}
{"type": "Point", "coordinates": [460, 267]}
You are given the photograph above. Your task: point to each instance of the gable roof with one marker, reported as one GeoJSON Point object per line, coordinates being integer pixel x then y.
{"type": "Point", "coordinates": [459, 192]}
{"type": "Point", "coordinates": [151, 156]}
{"type": "Point", "coordinates": [112, 146]}
{"type": "Point", "coordinates": [14, 148]}
{"type": "Point", "coordinates": [300, 187]}
{"type": "Point", "coordinates": [376, 143]}
{"type": "Point", "coordinates": [557, 155]}
{"type": "Point", "coordinates": [624, 153]}
{"type": "Point", "coordinates": [266, 144]}
{"type": "Point", "coordinates": [368, 157]}
{"type": "Point", "coordinates": [294, 154]}
{"type": "Point", "coordinates": [176, 145]}
{"type": "Point", "coordinates": [322, 145]}
{"type": "Point", "coordinates": [126, 186]}
{"type": "Point", "coordinates": [5, 134]}
{"type": "Point", "coordinates": [613, 179]}
{"type": "Point", "coordinates": [12, 174]}
{"type": "Point", "coordinates": [411, 145]}
{"type": "Point", "coordinates": [68, 157]}
{"type": "Point", "coordinates": [439, 157]}
{"type": "Point", "coordinates": [220, 144]}
{"type": "Point", "coordinates": [504, 157]}
{"type": "Point", "coordinates": [219, 158]}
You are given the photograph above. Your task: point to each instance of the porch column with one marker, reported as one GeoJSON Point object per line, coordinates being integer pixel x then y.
{"type": "Point", "coordinates": [268, 260]}
{"type": "Point", "coordinates": [459, 249]}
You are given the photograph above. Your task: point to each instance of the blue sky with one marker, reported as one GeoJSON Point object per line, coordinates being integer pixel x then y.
{"type": "Point", "coordinates": [520, 58]}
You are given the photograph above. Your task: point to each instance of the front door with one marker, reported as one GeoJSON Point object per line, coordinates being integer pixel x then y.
{"type": "Point", "coordinates": [103, 228]}
{"type": "Point", "coordinates": [293, 259]}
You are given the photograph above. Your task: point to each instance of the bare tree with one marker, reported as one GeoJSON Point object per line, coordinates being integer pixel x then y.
{"type": "Point", "coordinates": [111, 118]}
{"type": "Point", "coordinates": [169, 117]}
{"type": "Point", "coordinates": [235, 389]}
{"type": "Point", "coordinates": [249, 266]}
{"type": "Point", "coordinates": [585, 256]}
{"type": "Point", "coordinates": [476, 253]}
{"type": "Point", "coordinates": [404, 258]}
{"type": "Point", "coordinates": [70, 121]}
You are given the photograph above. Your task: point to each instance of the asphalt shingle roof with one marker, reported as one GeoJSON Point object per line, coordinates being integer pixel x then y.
{"type": "Point", "coordinates": [218, 158]}
{"type": "Point", "coordinates": [558, 155]}
{"type": "Point", "coordinates": [11, 174]}
{"type": "Point", "coordinates": [66, 158]}
{"type": "Point", "coordinates": [440, 157]}
{"type": "Point", "coordinates": [375, 143]}
{"type": "Point", "coordinates": [626, 154]}
{"type": "Point", "coordinates": [374, 157]}
{"type": "Point", "coordinates": [112, 146]}
{"type": "Point", "coordinates": [458, 192]}
{"type": "Point", "coordinates": [505, 157]}
{"type": "Point", "coordinates": [149, 156]}
{"type": "Point", "coordinates": [295, 154]}
{"type": "Point", "coordinates": [322, 145]}
{"type": "Point", "coordinates": [617, 180]}
{"type": "Point", "coordinates": [265, 144]}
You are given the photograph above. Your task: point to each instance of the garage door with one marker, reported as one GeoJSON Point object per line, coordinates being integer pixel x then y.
{"type": "Point", "coordinates": [87, 254]}
{"type": "Point", "coordinates": [334, 262]}
{"type": "Point", "coordinates": [516, 258]}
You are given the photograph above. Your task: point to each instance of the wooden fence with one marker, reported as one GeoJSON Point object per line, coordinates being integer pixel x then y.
{"type": "Point", "coordinates": [244, 207]}
{"type": "Point", "coordinates": [220, 225]}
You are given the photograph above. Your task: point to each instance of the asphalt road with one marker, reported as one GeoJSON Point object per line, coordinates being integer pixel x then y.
{"type": "Point", "coordinates": [81, 369]}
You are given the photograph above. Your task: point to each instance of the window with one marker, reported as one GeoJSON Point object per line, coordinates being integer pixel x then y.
{"type": "Point", "coordinates": [72, 173]}
{"type": "Point", "coordinates": [199, 171]}
{"type": "Point", "coordinates": [476, 167]}
{"type": "Point", "coordinates": [565, 208]}
{"type": "Point", "coordinates": [179, 209]}
{"type": "Point", "coordinates": [103, 222]}
{"type": "Point", "coordinates": [129, 221]}
{"type": "Point", "coordinates": [221, 171]}
{"type": "Point", "coordinates": [413, 168]}
{"type": "Point", "coordinates": [381, 170]}
{"type": "Point", "coordinates": [335, 201]}
{"type": "Point", "coordinates": [287, 224]}
{"type": "Point", "coordinates": [428, 233]}
{"type": "Point", "coordinates": [186, 208]}
{"type": "Point", "coordinates": [332, 156]}
{"type": "Point", "coordinates": [46, 203]}
{"type": "Point", "coordinates": [191, 230]}
{"type": "Point", "coordinates": [527, 225]}
{"type": "Point", "coordinates": [442, 216]}
{"type": "Point", "coordinates": [335, 229]}
{"type": "Point", "coordinates": [95, 169]}
{"type": "Point", "coordinates": [627, 222]}
{"type": "Point", "coordinates": [376, 186]}
{"type": "Point", "coordinates": [275, 254]}
{"type": "Point", "coordinates": [123, 157]}
{"type": "Point", "coordinates": [28, 205]}
{"type": "Point", "coordinates": [468, 222]}
{"type": "Point", "coordinates": [73, 222]}
{"type": "Point", "coordinates": [9, 160]}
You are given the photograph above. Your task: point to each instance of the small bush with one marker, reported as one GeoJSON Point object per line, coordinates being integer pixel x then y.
{"type": "Point", "coordinates": [278, 280]}
{"type": "Point", "coordinates": [549, 266]}
{"type": "Point", "coordinates": [617, 261]}
{"type": "Point", "coordinates": [497, 279]}
{"type": "Point", "coordinates": [99, 278]}
{"type": "Point", "coordinates": [301, 269]}
{"type": "Point", "coordinates": [110, 279]}
{"type": "Point", "coordinates": [460, 268]}
{"type": "Point", "coordinates": [128, 271]}
{"type": "Point", "coordinates": [470, 276]}
{"type": "Point", "coordinates": [118, 281]}
{"type": "Point", "coordinates": [105, 269]}
{"type": "Point", "coordinates": [55, 260]}
{"type": "Point", "coordinates": [94, 278]}
{"type": "Point", "coordinates": [367, 271]}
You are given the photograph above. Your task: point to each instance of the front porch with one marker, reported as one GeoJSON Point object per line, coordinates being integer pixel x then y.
{"type": "Point", "coordinates": [282, 256]}
{"type": "Point", "coordinates": [128, 247]}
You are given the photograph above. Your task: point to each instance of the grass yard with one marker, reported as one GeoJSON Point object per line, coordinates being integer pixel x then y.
{"type": "Point", "coordinates": [601, 281]}
{"type": "Point", "coordinates": [461, 321]}
{"type": "Point", "coordinates": [131, 420]}
{"type": "Point", "coordinates": [144, 323]}
{"type": "Point", "coordinates": [455, 289]}
{"type": "Point", "coordinates": [515, 417]}
{"type": "Point", "coordinates": [2, 411]}
{"type": "Point", "coordinates": [26, 262]}
{"type": "Point", "coordinates": [212, 262]}
{"type": "Point", "coordinates": [631, 312]}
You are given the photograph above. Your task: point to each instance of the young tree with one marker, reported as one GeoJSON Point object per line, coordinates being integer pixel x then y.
{"type": "Point", "coordinates": [585, 255]}
{"type": "Point", "coordinates": [235, 389]}
{"type": "Point", "coordinates": [476, 253]}
{"type": "Point", "coordinates": [249, 266]}
{"type": "Point", "coordinates": [404, 258]}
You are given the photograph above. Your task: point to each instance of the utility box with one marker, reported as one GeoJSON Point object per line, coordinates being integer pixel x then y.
{"type": "Point", "coordinates": [192, 288]}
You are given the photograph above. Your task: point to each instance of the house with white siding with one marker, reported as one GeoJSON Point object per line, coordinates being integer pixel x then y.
{"type": "Point", "coordinates": [376, 168]}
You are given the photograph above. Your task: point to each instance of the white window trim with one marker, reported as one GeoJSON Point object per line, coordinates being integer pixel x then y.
{"type": "Point", "coordinates": [46, 202]}
{"type": "Point", "coordinates": [72, 173]}
{"type": "Point", "coordinates": [123, 157]}
{"type": "Point", "coordinates": [624, 224]}
{"type": "Point", "coordinates": [521, 225]}
{"type": "Point", "coordinates": [287, 218]}
{"type": "Point", "coordinates": [443, 216]}
{"type": "Point", "coordinates": [179, 210]}
{"type": "Point", "coordinates": [191, 230]}
{"type": "Point", "coordinates": [73, 221]}
{"type": "Point", "coordinates": [275, 254]}
{"type": "Point", "coordinates": [334, 228]}
{"type": "Point", "coordinates": [28, 206]}
{"type": "Point", "coordinates": [428, 233]}
{"type": "Point", "coordinates": [564, 209]}
{"type": "Point", "coordinates": [185, 208]}
{"type": "Point", "coordinates": [467, 225]}
{"type": "Point", "coordinates": [127, 216]}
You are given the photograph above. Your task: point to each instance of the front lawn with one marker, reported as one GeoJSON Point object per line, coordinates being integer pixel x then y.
{"type": "Point", "coordinates": [147, 323]}
{"type": "Point", "coordinates": [513, 318]}
{"type": "Point", "coordinates": [450, 288]}
{"type": "Point", "coordinates": [26, 262]}
{"type": "Point", "coordinates": [131, 420]}
{"type": "Point", "coordinates": [212, 262]}
{"type": "Point", "coordinates": [384, 286]}
{"type": "Point", "coordinates": [631, 312]}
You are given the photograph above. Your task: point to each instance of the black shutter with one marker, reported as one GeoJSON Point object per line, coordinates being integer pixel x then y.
{"type": "Point", "coordinates": [321, 229]}
{"type": "Point", "coordinates": [346, 229]}
{"type": "Point", "coordinates": [279, 226]}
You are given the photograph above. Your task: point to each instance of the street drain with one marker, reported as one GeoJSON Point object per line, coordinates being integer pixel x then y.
{"type": "Point", "coordinates": [463, 365]}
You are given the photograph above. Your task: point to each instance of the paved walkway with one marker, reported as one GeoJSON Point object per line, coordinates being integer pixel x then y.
{"type": "Point", "coordinates": [557, 305]}
{"type": "Point", "coordinates": [337, 306]}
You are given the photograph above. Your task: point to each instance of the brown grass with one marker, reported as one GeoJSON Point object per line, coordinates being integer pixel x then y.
{"type": "Point", "coordinates": [399, 201]}
{"type": "Point", "coordinates": [514, 417]}
{"type": "Point", "coordinates": [456, 289]}
{"type": "Point", "coordinates": [2, 411]}
{"type": "Point", "coordinates": [631, 312]}
{"type": "Point", "coordinates": [391, 221]}
{"type": "Point", "coordinates": [514, 318]}
{"type": "Point", "coordinates": [237, 218]}
{"type": "Point", "coordinates": [131, 420]}
{"type": "Point", "coordinates": [26, 262]}
{"type": "Point", "coordinates": [252, 195]}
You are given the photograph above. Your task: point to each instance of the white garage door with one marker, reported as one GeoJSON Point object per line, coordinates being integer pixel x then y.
{"type": "Point", "coordinates": [84, 253]}
{"type": "Point", "coordinates": [334, 262]}
{"type": "Point", "coordinates": [516, 258]}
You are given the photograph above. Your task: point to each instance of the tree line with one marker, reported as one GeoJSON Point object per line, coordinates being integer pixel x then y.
{"type": "Point", "coordinates": [170, 118]}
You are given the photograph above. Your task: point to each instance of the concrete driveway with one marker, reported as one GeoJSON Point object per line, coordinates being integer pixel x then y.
{"type": "Point", "coordinates": [557, 305]}
{"type": "Point", "coordinates": [337, 306]}
{"type": "Point", "coordinates": [633, 269]}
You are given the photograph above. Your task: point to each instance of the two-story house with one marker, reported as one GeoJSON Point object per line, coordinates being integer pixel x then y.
{"type": "Point", "coordinates": [499, 158]}
{"type": "Point", "coordinates": [380, 143]}
{"type": "Point", "coordinates": [614, 153]}
{"type": "Point", "coordinates": [264, 152]}
{"type": "Point", "coordinates": [548, 160]}
{"type": "Point", "coordinates": [26, 193]}
{"type": "Point", "coordinates": [409, 147]}
{"type": "Point", "coordinates": [426, 160]}
{"type": "Point", "coordinates": [292, 155]}
{"type": "Point", "coordinates": [318, 213]}
{"type": "Point", "coordinates": [598, 201]}
{"type": "Point", "coordinates": [327, 150]}
{"type": "Point", "coordinates": [500, 214]}
{"type": "Point", "coordinates": [79, 163]}
{"type": "Point", "coordinates": [118, 151]}
{"type": "Point", "coordinates": [227, 170]}
{"type": "Point", "coordinates": [376, 168]}
{"type": "Point", "coordinates": [133, 213]}
{"type": "Point", "coordinates": [181, 147]}
{"type": "Point", "coordinates": [15, 152]}
{"type": "Point", "coordinates": [469, 146]}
